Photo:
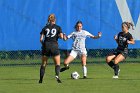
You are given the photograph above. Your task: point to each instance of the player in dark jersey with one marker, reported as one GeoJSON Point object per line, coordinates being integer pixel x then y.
{"type": "Point", "coordinates": [49, 37]}
{"type": "Point", "coordinates": [123, 39]}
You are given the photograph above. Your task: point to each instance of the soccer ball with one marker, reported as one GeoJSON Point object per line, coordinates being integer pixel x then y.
{"type": "Point", "coordinates": [75, 75]}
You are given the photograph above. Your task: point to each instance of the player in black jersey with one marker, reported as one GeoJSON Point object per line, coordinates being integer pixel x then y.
{"type": "Point", "coordinates": [123, 39]}
{"type": "Point", "coordinates": [49, 37]}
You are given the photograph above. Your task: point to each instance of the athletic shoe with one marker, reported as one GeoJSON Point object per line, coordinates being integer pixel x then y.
{"type": "Point", "coordinates": [84, 77]}
{"type": "Point", "coordinates": [64, 68]}
{"type": "Point", "coordinates": [115, 77]}
{"type": "Point", "coordinates": [40, 81]}
{"type": "Point", "coordinates": [57, 79]}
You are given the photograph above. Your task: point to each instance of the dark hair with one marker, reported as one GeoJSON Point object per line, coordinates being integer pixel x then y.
{"type": "Point", "coordinates": [128, 24]}
{"type": "Point", "coordinates": [78, 23]}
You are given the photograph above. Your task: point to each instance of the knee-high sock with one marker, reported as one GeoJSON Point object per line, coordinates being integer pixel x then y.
{"type": "Point", "coordinates": [42, 72]}
{"type": "Point", "coordinates": [116, 69]}
{"type": "Point", "coordinates": [111, 64]}
{"type": "Point", "coordinates": [57, 70]}
{"type": "Point", "coordinates": [84, 70]}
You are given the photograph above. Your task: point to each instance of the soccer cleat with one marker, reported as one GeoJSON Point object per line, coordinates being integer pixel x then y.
{"type": "Point", "coordinates": [64, 68]}
{"type": "Point", "coordinates": [57, 79]}
{"type": "Point", "coordinates": [84, 77]}
{"type": "Point", "coordinates": [115, 77]}
{"type": "Point", "coordinates": [40, 81]}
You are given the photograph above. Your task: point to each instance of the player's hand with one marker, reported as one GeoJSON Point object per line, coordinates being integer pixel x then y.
{"type": "Point", "coordinates": [128, 42]}
{"type": "Point", "coordinates": [64, 36]}
{"type": "Point", "coordinates": [115, 37]}
{"type": "Point", "coordinates": [99, 34]}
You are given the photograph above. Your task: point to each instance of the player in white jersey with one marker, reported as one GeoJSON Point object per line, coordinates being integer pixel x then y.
{"type": "Point", "coordinates": [78, 47]}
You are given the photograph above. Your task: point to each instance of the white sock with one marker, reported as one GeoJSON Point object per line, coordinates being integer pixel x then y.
{"type": "Point", "coordinates": [84, 71]}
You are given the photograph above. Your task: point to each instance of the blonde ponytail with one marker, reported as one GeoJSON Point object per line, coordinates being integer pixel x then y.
{"type": "Point", "coordinates": [51, 18]}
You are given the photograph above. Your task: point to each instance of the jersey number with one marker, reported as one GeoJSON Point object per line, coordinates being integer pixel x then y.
{"type": "Point", "coordinates": [50, 33]}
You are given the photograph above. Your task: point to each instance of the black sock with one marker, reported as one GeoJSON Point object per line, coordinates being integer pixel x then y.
{"type": "Point", "coordinates": [64, 68]}
{"type": "Point", "coordinates": [111, 64]}
{"type": "Point", "coordinates": [42, 72]}
{"type": "Point", "coordinates": [57, 70]}
{"type": "Point", "coordinates": [116, 69]}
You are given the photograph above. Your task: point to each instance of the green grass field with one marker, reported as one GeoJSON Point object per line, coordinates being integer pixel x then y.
{"type": "Point", "coordinates": [24, 79]}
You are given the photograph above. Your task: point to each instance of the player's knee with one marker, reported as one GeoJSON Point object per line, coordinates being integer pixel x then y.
{"type": "Point", "coordinates": [83, 63]}
{"type": "Point", "coordinates": [42, 67]}
{"type": "Point", "coordinates": [43, 64]}
{"type": "Point", "coordinates": [116, 61]}
{"type": "Point", "coordinates": [108, 59]}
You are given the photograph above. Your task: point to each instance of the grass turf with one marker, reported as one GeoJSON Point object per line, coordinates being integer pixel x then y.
{"type": "Point", "coordinates": [24, 79]}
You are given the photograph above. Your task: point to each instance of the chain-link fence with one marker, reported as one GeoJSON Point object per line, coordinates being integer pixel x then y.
{"type": "Point", "coordinates": [33, 57]}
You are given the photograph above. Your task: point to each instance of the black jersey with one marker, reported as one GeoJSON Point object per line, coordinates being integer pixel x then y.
{"type": "Point", "coordinates": [51, 33]}
{"type": "Point", "coordinates": [122, 40]}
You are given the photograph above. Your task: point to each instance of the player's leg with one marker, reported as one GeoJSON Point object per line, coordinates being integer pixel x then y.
{"type": "Point", "coordinates": [109, 59]}
{"type": "Point", "coordinates": [84, 68]}
{"type": "Point", "coordinates": [118, 59]}
{"type": "Point", "coordinates": [69, 59]}
{"type": "Point", "coordinates": [57, 67]}
{"type": "Point", "coordinates": [56, 58]}
{"type": "Point", "coordinates": [66, 63]}
{"type": "Point", "coordinates": [42, 68]}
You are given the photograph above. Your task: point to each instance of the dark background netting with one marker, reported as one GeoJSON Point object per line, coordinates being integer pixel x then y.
{"type": "Point", "coordinates": [33, 57]}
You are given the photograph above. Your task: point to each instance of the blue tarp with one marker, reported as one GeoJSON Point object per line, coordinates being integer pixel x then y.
{"type": "Point", "coordinates": [22, 20]}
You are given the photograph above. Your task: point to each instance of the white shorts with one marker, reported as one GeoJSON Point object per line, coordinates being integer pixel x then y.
{"type": "Point", "coordinates": [75, 53]}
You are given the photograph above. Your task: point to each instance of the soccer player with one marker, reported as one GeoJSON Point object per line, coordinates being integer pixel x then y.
{"type": "Point", "coordinates": [123, 39]}
{"type": "Point", "coordinates": [78, 47]}
{"type": "Point", "coordinates": [49, 37]}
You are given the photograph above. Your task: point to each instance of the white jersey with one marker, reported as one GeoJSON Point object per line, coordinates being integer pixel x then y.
{"type": "Point", "coordinates": [79, 39]}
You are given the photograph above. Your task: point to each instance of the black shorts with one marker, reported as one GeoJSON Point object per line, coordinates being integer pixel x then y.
{"type": "Point", "coordinates": [123, 52]}
{"type": "Point", "coordinates": [50, 49]}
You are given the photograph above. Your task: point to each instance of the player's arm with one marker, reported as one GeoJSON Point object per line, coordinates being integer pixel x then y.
{"type": "Point", "coordinates": [67, 37]}
{"type": "Point", "coordinates": [61, 36]}
{"type": "Point", "coordinates": [131, 41]}
{"type": "Point", "coordinates": [96, 37]}
{"type": "Point", "coordinates": [116, 38]}
{"type": "Point", "coordinates": [42, 35]}
{"type": "Point", "coordinates": [41, 38]}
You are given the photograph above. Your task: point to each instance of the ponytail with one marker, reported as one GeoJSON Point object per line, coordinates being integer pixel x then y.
{"type": "Point", "coordinates": [51, 18]}
{"type": "Point", "coordinates": [131, 25]}
{"type": "Point", "coordinates": [128, 24]}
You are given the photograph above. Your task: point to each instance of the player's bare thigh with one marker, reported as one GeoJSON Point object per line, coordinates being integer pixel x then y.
{"type": "Point", "coordinates": [110, 57]}
{"type": "Point", "coordinates": [69, 59]}
{"type": "Point", "coordinates": [57, 59]}
{"type": "Point", "coordinates": [119, 58]}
